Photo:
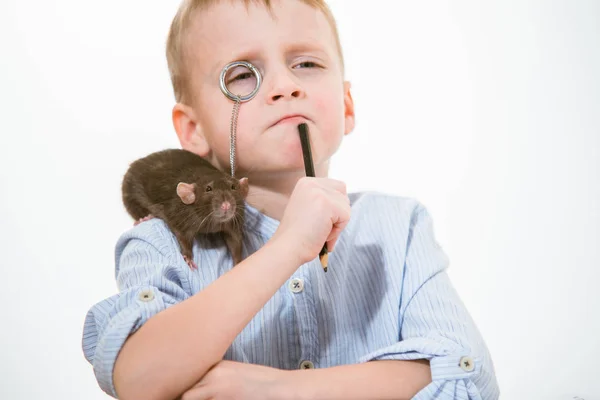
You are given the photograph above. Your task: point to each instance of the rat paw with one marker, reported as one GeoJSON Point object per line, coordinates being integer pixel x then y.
{"type": "Point", "coordinates": [146, 218]}
{"type": "Point", "coordinates": [190, 262]}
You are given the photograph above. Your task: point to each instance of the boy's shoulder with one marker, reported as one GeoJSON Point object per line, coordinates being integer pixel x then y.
{"type": "Point", "coordinates": [387, 219]}
{"type": "Point", "coordinates": [384, 205]}
{"type": "Point", "coordinates": [154, 232]}
{"type": "Point", "coordinates": [152, 237]}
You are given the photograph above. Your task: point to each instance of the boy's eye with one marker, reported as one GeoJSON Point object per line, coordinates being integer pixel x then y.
{"type": "Point", "coordinates": [308, 64]}
{"type": "Point", "coordinates": [241, 77]}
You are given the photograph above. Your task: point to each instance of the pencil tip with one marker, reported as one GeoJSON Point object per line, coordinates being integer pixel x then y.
{"type": "Point", "coordinates": [324, 258]}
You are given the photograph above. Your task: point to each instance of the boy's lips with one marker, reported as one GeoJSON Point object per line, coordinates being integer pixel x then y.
{"type": "Point", "coordinates": [290, 118]}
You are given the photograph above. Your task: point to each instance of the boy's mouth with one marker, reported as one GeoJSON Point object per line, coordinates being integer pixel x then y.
{"type": "Point", "coordinates": [291, 118]}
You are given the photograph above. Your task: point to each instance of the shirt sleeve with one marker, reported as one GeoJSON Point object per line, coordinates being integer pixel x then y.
{"type": "Point", "coordinates": [150, 279]}
{"type": "Point", "coordinates": [435, 324]}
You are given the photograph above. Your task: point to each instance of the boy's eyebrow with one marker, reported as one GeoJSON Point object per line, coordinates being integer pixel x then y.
{"type": "Point", "coordinates": [250, 55]}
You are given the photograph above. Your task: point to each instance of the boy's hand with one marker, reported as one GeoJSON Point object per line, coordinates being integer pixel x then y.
{"type": "Point", "coordinates": [317, 212]}
{"type": "Point", "coordinates": [229, 380]}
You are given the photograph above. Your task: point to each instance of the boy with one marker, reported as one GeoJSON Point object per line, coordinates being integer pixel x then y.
{"type": "Point", "coordinates": [384, 322]}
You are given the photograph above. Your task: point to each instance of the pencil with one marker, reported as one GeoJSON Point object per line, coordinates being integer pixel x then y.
{"type": "Point", "coordinates": [310, 171]}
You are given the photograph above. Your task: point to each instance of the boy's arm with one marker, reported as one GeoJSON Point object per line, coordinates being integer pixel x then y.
{"type": "Point", "coordinates": [155, 302]}
{"type": "Point", "coordinates": [157, 362]}
{"type": "Point", "coordinates": [393, 380]}
{"type": "Point", "coordinates": [435, 324]}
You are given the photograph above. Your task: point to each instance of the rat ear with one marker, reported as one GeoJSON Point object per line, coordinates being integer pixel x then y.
{"type": "Point", "coordinates": [185, 191]}
{"type": "Point", "coordinates": [244, 187]}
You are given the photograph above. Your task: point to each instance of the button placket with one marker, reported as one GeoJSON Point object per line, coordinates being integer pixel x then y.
{"type": "Point", "coordinates": [304, 308]}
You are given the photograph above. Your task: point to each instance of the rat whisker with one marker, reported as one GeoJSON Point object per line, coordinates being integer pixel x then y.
{"type": "Point", "coordinates": [204, 209]}
{"type": "Point", "coordinates": [204, 219]}
{"type": "Point", "coordinates": [235, 221]}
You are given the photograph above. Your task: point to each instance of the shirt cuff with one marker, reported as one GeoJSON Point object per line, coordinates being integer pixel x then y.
{"type": "Point", "coordinates": [453, 367]}
{"type": "Point", "coordinates": [130, 310]}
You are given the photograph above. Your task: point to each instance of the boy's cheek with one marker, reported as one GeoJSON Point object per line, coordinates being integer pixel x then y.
{"type": "Point", "coordinates": [330, 117]}
{"type": "Point", "coordinates": [328, 103]}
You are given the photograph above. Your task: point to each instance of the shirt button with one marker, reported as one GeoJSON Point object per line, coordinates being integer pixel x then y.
{"type": "Point", "coordinates": [467, 364]}
{"type": "Point", "coordinates": [306, 364]}
{"type": "Point", "coordinates": [296, 285]}
{"type": "Point", "coordinates": [146, 295]}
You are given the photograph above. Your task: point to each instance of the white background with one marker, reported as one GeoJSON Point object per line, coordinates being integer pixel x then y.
{"type": "Point", "coordinates": [487, 112]}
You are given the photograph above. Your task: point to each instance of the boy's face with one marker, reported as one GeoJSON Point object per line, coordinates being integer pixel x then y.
{"type": "Point", "coordinates": [297, 57]}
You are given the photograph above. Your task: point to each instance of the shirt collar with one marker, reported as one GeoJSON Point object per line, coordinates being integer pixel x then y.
{"type": "Point", "coordinates": [256, 221]}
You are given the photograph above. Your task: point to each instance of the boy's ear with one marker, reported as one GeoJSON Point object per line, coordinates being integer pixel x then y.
{"type": "Point", "coordinates": [189, 130]}
{"type": "Point", "coordinates": [349, 120]}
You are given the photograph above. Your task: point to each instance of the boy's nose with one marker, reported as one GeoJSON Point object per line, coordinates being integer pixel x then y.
{"type": "Point", "coordinates": [285, 86]}
{"type": "Point", "coordinates": [274, 97]}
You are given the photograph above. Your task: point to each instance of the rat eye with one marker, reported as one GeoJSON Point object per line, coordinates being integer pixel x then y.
{"type": "Point", "coordinates": [233, 186]}
{"type": "Point", "coordinates": [208, 188]}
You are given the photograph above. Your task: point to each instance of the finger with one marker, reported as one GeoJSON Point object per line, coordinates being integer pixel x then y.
{"type": "Point", "coordinates": [338, 186]}
{"type": "Point", "coordinates": [332, 194]}
{"type": "Point", "coordinates": [339, 224]}
{"type": "Point", "coordinates": [331, 243]}
{"type": "Point", "coordinates": [333, 238]}
{"type": "Point", "coordinates": [344, 211]}
{"type": "Point", "coordinates": [343, 197]}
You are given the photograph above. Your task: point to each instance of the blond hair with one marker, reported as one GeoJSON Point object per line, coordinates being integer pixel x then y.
{"type": "Point", "coordinates": [176, 41]}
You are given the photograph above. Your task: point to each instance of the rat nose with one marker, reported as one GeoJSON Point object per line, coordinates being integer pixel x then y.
{"type": "Point", "coordinates": [225, 206]}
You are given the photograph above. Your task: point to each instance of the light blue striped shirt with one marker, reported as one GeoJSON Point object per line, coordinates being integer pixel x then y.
{"type": "Point", "coordinates": [386, 296]}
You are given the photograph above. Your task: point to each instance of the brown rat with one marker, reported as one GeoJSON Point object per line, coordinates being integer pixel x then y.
{"type": "Point", "coordinates": [190, 195]}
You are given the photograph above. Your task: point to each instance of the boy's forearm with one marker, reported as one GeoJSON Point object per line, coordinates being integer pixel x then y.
{"type": "Point", "coordinates": [389, 379]}
{"type": "Point", "coordinates": [177, 346]}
